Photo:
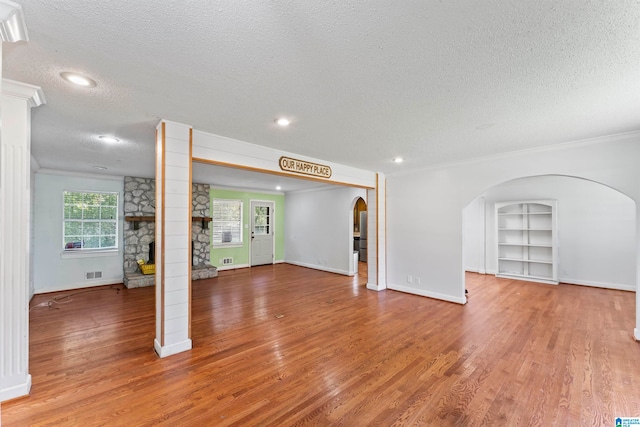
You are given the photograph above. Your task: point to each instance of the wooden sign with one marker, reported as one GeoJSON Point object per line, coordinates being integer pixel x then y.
{"type": "Point", "coordinates": [307, 168]}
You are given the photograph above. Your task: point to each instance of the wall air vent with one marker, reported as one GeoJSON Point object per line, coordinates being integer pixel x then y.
{"type": "Point", "coordinates": [92, 275]}
{"type": "Point", "coordinates": [227, 261]}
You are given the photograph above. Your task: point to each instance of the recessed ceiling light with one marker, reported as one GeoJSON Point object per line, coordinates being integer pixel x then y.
{"type": "Point", "coordinates": [100, 168]}
{"type": "Point", "coordinates": [107, 138]}
{"type": "Point", "coordinates": [78, 79]}
{"type": "Point", "coordinates": [278, 188]}
{"type": "Point", "coordinates": [398, 160]}
{"type": "Point", "coordinates": [283, 122]}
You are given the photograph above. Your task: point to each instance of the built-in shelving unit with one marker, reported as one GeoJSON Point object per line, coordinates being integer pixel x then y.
{"type": "Point", "coordinates": [527, 240]}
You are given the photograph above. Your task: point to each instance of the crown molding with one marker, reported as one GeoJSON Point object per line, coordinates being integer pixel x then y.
{"type": "Point", "coordinates": [12, 25]}
{"type": "Point", "coordinates": [32, 94]}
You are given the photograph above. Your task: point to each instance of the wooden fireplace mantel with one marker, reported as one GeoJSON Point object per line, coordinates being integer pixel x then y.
{"type": "Point", "coordinates": [136, 219]}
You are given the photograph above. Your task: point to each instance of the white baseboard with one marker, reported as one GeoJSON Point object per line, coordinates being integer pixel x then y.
{"type": "Point", "coordinates": [232, 267]}
{"type": "Point", "coordinates": [429, 294]}
{"type": "Point", "coordinates": [236, 266]}
{"type": "Point", "coordinates": [169, 350]}
{"type": "Point", "coordinates": [16, 391]}
{"type": "Point", "coordinates": [604, 285]}
{"type": "Point", "coordinates": [569, 281]}
{"type": "Point", "coordinates": [473, 270]}
{"type": "Point", "coordinates": [319, 267]}
{"type": "Point", "coordinates": [79, 285]}
{"type": "Point", "coordinates": [636, 334]}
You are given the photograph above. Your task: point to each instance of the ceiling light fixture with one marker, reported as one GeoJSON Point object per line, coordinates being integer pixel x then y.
{"type": "Point", "coordinates": [100, 168]}
{"type": "Point", "coordinates": [107, 138]}
{"type": "Point", "coordinates": [398, 160]}
{"type": "Point", "coordinates": [78, 79]}
{"type": "Point", "coordinates": [278, 188]}
{"type": "Point", "coordinates": [282, 122]}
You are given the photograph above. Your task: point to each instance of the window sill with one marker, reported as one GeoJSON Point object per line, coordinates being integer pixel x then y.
{"type": "Point", "coordinates": [89, 253]}
{"type": "Point", "coordinates": [233, 245]}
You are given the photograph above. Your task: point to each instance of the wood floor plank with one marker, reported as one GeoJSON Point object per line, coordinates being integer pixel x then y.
{"type": "Point", "coordinates": [283, 345]}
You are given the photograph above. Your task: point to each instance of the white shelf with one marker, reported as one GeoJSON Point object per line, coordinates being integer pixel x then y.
{"type": "Point", "coordinates": [530, 245]}
{"type": "Point", "coordinates": [524, 213]}
{"type": "Point", "coordinates": [527, 240]}
{"type": "Point", "coordinates": [529, 278]}
{"type": "Point", "coordinates": [525, 229]}
{"type": "Point", "coordinates": [525, 260]}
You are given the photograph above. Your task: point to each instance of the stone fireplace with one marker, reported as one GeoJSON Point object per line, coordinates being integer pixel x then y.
{"type": "Point", "coordinates": [139, 231]}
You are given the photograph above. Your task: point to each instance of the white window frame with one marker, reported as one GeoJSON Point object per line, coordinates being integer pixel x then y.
{"type": "Point", "coordinates": [214, 225]}
{"type": "Point", "coordinates": [79, 252]}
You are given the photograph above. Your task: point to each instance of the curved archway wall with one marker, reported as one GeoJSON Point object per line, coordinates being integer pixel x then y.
{"type": "Point", "coordinates": [596, 224]}
{"type": "Point", "coordinates": [424, 207]}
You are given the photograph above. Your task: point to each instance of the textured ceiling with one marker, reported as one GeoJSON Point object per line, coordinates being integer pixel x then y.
{"type": "Point", "coordinates": [362, 81]}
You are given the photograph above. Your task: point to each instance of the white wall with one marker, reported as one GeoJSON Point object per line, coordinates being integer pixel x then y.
{"type": "Point", "coordinates": [319, 228]}
{"type": "Point", "coordinates": [596, 229]}
{"type": "Point", "coordinates": [51, 271]}
{"type": "Point", "coordinates": [473, 235]}
{"type": "Point", "coordinates": [424, 207]}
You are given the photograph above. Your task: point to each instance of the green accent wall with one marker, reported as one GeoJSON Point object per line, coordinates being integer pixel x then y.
{"type": "Point", "coordinates": [240, 254]}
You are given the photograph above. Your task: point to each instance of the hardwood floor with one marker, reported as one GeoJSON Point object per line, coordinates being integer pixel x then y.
{"type": "Point", "coordinates": [517, 354]}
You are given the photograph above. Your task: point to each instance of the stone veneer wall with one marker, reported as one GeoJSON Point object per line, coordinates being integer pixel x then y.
{"type": "Point", "coordinates": [140, 200]}
{"type": "Point", "coordinates": [200, 236]}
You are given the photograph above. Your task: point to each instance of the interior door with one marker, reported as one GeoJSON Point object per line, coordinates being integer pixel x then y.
{"type": "Point", "coordinates": [262, 220]}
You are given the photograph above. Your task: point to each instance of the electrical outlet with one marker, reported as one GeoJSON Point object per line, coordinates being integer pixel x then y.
{"type": "Point", "coordinates": [565, 273]}
{"type": "Point", "coordinates": [409, 279]}
{"type": "Point", "coordinates": [417, 280]}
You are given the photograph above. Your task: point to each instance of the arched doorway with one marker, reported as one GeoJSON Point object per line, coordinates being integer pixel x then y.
{"type": "Point", "coordinates": [360, 234]}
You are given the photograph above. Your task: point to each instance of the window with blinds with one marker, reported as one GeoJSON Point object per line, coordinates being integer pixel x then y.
{"type": "Point", "coordinates": [226, 222]}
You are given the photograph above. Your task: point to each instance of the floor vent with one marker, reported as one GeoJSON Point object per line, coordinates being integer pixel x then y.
{"type": "Point", "coordinates": [227, 261]}
{"type": "Point", "coordinates": [92, 275]}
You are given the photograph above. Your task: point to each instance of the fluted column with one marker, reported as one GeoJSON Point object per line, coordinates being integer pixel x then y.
{"type": "Point", "coordinates": [16, 102]}
{"type": "Point", "coordinates": [15, 191]}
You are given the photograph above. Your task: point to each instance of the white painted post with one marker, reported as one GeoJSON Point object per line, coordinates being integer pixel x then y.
{"type": "Point", "coordinates": [376, 239]}
{"type": "Point", "coordinates": [173, 238]}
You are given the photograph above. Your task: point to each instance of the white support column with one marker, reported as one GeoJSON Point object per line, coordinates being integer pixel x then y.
{"type": "Point", "coordinates": [15, 199]}
{"type": "Point", "coordinates": [16, 102]}
{"type": "Point", "coordinates": [377, 235]}
{"type": "Point", "coordinates": [173, 238]}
